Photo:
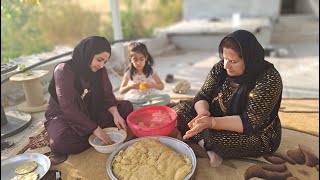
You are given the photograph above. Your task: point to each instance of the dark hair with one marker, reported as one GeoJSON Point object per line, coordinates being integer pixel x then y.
{"type": "Point", "coordinates": [138, 47]}
{"type": "Point", "coordinates": [230, 43]}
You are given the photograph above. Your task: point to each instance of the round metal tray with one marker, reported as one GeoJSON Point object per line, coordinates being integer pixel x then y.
{"type": "Point", "coordinates": [173, 143]}
{"type": "Point", "coordinates": [9, 165]}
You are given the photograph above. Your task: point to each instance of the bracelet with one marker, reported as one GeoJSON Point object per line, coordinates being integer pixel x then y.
{"type": "Point", "coordinates": [213, 122]}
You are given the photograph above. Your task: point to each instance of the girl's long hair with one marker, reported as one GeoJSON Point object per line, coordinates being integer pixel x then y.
{"type": "Point", "coordinates": [138, 47]}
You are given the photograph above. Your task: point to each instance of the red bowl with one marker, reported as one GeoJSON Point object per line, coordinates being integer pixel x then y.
{"type": "Point", "coordinates": [152, 121]}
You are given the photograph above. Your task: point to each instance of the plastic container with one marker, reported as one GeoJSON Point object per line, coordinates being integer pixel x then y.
{"type": "Point", "coordinates": [118, 136]}
{"type": "Point", "coordinates": [152, 121]}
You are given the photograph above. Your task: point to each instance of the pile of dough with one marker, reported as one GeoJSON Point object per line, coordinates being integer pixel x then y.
{"type": "Point", "coordinates": [150, 159]}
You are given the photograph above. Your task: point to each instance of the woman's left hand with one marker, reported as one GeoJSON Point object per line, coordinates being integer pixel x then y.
{"type": "Point", "coordinates": [198, 126]}
{"type": "Point", "coordinates": [120, 122]}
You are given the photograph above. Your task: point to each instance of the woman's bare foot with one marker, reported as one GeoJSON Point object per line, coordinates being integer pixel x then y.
{"type": "Point", "coordinates": [215, 159]}
{"type": "Point", "coordinates": [201, 143]}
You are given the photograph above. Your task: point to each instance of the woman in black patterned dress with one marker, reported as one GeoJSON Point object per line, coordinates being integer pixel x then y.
{"type": "Point", "coordinates": [235, 113]}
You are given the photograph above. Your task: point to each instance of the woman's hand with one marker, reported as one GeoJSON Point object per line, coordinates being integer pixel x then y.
{"type": "Point", "coordinates": [117, 119]}
{"type": "Point", "coordinates": [101, 134]}
{"type": "Point", "coordinates": [202, 108]}
{"type": "Point", "coordinates": [120, 122]}
{"type": "Point", "coordinates": [202, 114]}
{"type": "Point", "coordinates": [198, 125]}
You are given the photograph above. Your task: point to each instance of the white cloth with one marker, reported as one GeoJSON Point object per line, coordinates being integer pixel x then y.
{"type": "Point", "coordinates": [135, 94]}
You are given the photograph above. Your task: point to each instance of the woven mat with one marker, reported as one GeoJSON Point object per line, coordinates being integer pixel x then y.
{"type": "Point", "coordinates": [303, 122]}
{"type": "Point", "coordinates": [300, 105]}
{"type": "Point", "coordinates": [95, 163]}
{"type": "Point", "coordinates": [300, 140]}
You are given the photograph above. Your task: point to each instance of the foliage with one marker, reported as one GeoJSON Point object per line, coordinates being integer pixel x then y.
{"type": "Point", "coordinates": [167, 13]}
{"type": "Point", "coordinates": [28, 27]}
{"type": "Point", "coordinates": [170, 11]}
{"type": "Point", "coordinates": [64, 22]}
{"type": "Point", "coordinates": [21, 67]}
{"type": "Point", "coordinates": [138, 21]}
{"type": "Point", "coordinates": [131, 21]}
{"type": "Point", "coordinates": [18, 36]}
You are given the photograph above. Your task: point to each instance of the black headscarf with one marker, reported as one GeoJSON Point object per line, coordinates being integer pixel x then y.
{"type": "Point", "coordinates": [82, 57]}
{"type": "Point", "coordinates": [253, 55]}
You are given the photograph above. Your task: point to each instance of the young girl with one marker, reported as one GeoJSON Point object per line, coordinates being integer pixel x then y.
{"type": "Point", "coordinates": [141, 84]}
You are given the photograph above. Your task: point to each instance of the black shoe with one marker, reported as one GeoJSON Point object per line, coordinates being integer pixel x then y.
{"type": "Point", "coordinates": [169, 78]}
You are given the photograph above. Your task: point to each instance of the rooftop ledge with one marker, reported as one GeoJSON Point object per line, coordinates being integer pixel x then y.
{"type": "Point", "coordinates": [217, 27]}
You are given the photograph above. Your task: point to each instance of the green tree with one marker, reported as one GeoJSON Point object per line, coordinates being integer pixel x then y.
{"type": "Point", "coordinates": [66, 22]}
{"type": "Point", "coordinates": [28, 28]}
{"type": "Point", "coordinates": [18, 36]}
{"type": "Point", "coordinates": [132, 20]}
{"type": "Point", "coordinates": [138, 22]}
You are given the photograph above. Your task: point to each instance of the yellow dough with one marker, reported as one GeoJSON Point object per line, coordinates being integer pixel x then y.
{"type": "Point", "coordinates": [26, 167]}
{"type": "Point", "coordinates": [29, 176]}
{"type": "Point", "coordinates": [150, 159]}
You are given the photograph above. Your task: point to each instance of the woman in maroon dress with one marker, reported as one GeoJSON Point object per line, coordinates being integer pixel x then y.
{"type": "Point", "coordinates": [82, 101]}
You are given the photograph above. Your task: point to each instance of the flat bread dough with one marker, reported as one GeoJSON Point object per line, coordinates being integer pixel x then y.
{"type": "Point", "coordinates": [29, 176]}
{"type": "Point", "coordinates": [150, 159]}
{"type": "Point", "coordinates": [26, 167]}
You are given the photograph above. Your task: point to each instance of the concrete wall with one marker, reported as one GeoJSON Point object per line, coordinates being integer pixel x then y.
{"type": "Point", "coordinates": [307, 7]}
{"type": "Point", "coordinates": [295, 28]}
{"type": "Point", "coordinates": [217, 9]}
{"type": "Point", "coordinates": [206, 35]}
{"type": "Point", "coordinates": [210, 42]}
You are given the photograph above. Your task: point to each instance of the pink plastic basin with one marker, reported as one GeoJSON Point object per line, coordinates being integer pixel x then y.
{"type": "Point", "coordinates": [152, 121]}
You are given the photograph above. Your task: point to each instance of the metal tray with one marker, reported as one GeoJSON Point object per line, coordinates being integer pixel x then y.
{"type": "Point", "coordinates": [9, 165]}
{"type": "Point", "coordinates": [173, 143]}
